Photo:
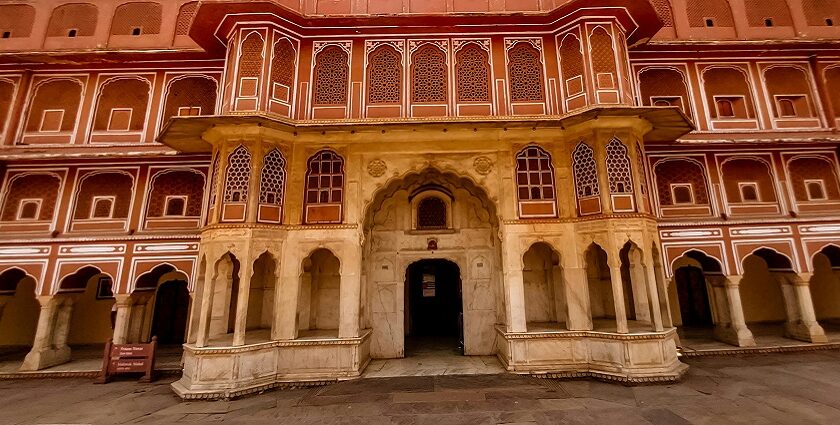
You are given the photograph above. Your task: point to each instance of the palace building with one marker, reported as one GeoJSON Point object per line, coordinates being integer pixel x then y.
{"type": "Point", "coordinates": [291, 188]}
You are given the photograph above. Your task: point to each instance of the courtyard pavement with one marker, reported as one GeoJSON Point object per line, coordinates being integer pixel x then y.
{"type": "Point", "coordinates": [793, 388]}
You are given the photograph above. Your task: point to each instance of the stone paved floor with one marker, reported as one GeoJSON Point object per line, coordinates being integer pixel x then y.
{"type": "Point", "coordinates": [801, 388]}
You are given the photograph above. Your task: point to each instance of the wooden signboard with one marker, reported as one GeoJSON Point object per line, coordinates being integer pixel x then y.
{"type": "Point", "coordinates": [128, 358]}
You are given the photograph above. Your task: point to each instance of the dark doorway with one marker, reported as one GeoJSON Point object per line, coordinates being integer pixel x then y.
{"type": "Point", "coordinates": [693, 297]}
{"type": "Point", "coordinates": [172, 304]}
{"type": "Point", "coordinates": [434, 312]}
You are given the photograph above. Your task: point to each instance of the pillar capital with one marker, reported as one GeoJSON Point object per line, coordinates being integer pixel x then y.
{"type": "Point", "coordinates": [123, 300]}
{"type": "Point", "coordinates": [732, 281]}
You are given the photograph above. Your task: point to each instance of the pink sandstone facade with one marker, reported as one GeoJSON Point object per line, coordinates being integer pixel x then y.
{"type": "Point", "coordinates": [279, 184]}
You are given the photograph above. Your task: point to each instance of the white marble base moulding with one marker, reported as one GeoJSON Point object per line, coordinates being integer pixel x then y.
{"type": "Point", "coordinates": [630, 358]}
{"type": "Point", "coordinates": [227, 372]}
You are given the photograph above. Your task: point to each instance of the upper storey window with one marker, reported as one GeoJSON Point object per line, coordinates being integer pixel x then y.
{"type": "Point", "coordinates": [238, 176]}
{"type": "Point", "coordinates": [664, 87]}
{"type": "Point", "coordinates": [54, 107]}
{"type": "Point", "coordinates": [572, 70]}
{"type": "Point", "coordinates": [525, 73]}
{"type": "Point", "coordinates": [768, 13]}
{"type": "Point", "coordinates": [535, 183]}
{"type": "Point", "coordinates": [137, 19]}
{"type": "Point", "coordinates": [821, 12]}
{"type": "Point", "coordinates": [472, 74]}
{"type": "Point", "coordinates": [122, 107]}
{"type": "Point", "coordinates": [587, 188]}
{"type": "Point", "coordinates": [272, 186]}
{"type": "Point", "coordinates": [431, 214]}
{"type": "Point", "coordinates": [324, 188]}
{"type": "Point", "coordinates": [729, 98]}
{"type": "Point", "coordinates": [16, 20]}
{"type": "Point", "coordinates": [73, 20]}
{"type": "Point", "coordinates": [709, 13]}
{"type": "Point", "coordinates": [429, 75]}
{"type": "Point", "coordinates": [331, 75]}
{"type": "Point", "coordinates": [190, 96]}
{"type": "Point", "coordinates": [384, 76]}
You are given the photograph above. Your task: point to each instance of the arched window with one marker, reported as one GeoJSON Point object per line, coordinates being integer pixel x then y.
{"type": "Point", "coordinates": [586, 172]}
{"type": "Point", "coordinates": [384, 76]}
{"type": "Point", "coordinates": [680, 181]}
{"type": "Point", "coordinates": [122, 105]}
{"type": "Point", "coordinates": [534, 174]}
{"type": "Point", "coordinates": [603, 59]}
{"type": "Point", "coordinates": [664, 87]}
{"type": "Point", "coordinates": [324, 187]}
{"type": "Point", "coordinates": [472, 74]}
{"type": "Point", "coordinates": [190, 96]}
{"type": "Point", "coordinates": [16, 20]}
{"type": "Point", "coordinates": [177, 192]}
{"type": "Point", "coordinates": [331, 74]}
{"type": "Point", "coordinates": [428, 75]}
{"type": "Point", "coordinates": [283, 70]}
{"type": "Point", "coordinates": [250, 65]}
{"type": "Point", "coordinates": [214, 175]}
{"type": "Point", "coordinates": [238, 176]}
{"type": "Point", "coordinates": [813, 178]}
{"type": "Point", "coordinates": [273, 178]}
{"type": "Point", "coordinates": [525, 72]}
{"type": "Point", "coordinates": [431, 214]}
{"type": "Point", "coordinates": [31, 196]}
{"type": "Point", "coordinates": [185, 18]}
{"type": "Point", "coordinates": [104, 195]}
{"type": "Point", "coordinates": [618, 168]}
{"type": "Point", "coordinates": [137, 19]}
{"type": "Point", "coordinates": [73, 20]}
{"type": "Point", "coordinates": [748, 180]}
{"type": "Point", "coordinates": [54, 106]}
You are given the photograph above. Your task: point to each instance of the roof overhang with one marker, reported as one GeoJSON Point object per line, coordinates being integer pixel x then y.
{"type": "Point", "coordinates": [187, 134]}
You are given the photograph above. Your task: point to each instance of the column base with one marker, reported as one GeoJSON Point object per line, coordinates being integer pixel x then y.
{"type": "Point", "coordinates": [739, 337]}
{"type": "Point", "coordinates": [808, 332]}
{"type": "Point", "coordinates": [44, 358]}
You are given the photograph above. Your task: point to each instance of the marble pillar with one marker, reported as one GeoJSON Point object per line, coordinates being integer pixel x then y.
{"type": "Point", "coordinates": [124, 309]}
{"type": "Point", "coordinates": [202, 334]}
{"type": "Point", "coordinates": [246, 272]}
{"type": "Point", "coordinates": [736, 331]}
{"type": "Point", "coordinates": [350, 300]}
{"type": "Point", "coordinates": [578, 310]}
{"type": "Point", "coordinates": [44, 352]}
{"type": "Point", "coordinates": [802, 321]}
{"type": "Point", "coordinates": [618, 299]}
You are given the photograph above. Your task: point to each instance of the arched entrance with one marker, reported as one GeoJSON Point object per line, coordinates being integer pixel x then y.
{"type": "Point", "coordinates": [825, 286]}
{"type": "Point", "coordinates": [18, 311]}
{"type": "Point", "coordinates": [434, 311]}
{"type": "Point", "coordinates": [693, 296]}
{"type": "Point", "coordinates": [172, 302]}
{"type": "Point", "coordinates": [444, 223]}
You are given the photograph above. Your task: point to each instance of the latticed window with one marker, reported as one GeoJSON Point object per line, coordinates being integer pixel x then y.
{"type": "Point", "coordinates": [185, 18]}
{"type": "Point", "coordinates": [709, 13]}
{"type": "Point", "coordinates": [680, 172]}
{"type": "Point", "coordinates": [273, 178]}
{"type": "Point", "coordinates": [325, 178]}
{"type": "Point", "coordinates": [331, 74]}
{"type": "Point", "coordinates": [428, 75]}
{"type": "Point", "coordinates": [283, 64]}
{"type": "Point", "coordinates": [472, 74]}
{"type": "Point", "coordinates": [525, 73]}
{"type": "Point", "coordinates": [251, 56]}
{"type": "Point", "coordinates": [43, 187]}
{"type": "Point", "coordinates": [110, 189]}
{"type": "Point", "coordinates": [190, 96]}
{"type": "Point", "coordinates": [214, 174]}
{"type": "Point", "coordinates": [137, 19]}
{"type": "Point", "coordinates": [603, 58]}
{"type": "Point", "coordinates": [618, 168]}
{"type": "Point", "coordinates": [122, 105]}
{"type": "Point", "coordinates": [55, 106]}
{"type": "Point", "coordinates": [586, 172]}
{"type": "Point", "coordinates": [571, 61]}
{"type": "Point", "coordinates": [431, 213]}
{"type": "Point", "coordinates": [384, 76]}
{"type": "Point", "coordinates": [78, 17]}
{"type": "Point", "coordinates": [640, 163]}
{"type": "Point", "coordinates": [534, 174]}
{"type": "Point", "coordinates": [805, 171]}
{"type": "Point", "coordinates": [238, 175]}
{"type": "Point", "coordinates": [186, 185]}
{"type": "Point", "coordinates": [663, 10]}
{"type": "Point", "coordinates": [822, 12]}
{"type": "Point", "coordinates": [17, 19]}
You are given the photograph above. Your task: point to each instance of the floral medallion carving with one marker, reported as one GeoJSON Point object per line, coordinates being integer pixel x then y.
{"type": "Point", "coordinates": [483, 165]}
{"type": "Point", "coordinates": [377, 168]}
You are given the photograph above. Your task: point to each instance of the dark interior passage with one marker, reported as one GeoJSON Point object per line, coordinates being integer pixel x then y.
{"type": "Point", "coordinates": [693, 297]}
{"type": "Point", "coordinates": [434, 301]}
{"type": "Point", "coordinates": [171, 310]}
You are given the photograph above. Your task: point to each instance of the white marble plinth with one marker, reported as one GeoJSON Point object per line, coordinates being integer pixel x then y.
{"type": "Point", "coordinates": [633, 358]}
{"type": "Point", "coordinates": [226, 372]}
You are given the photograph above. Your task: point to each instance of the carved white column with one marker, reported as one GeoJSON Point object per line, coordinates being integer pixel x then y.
{"type": "Point", "coordinates": [737, 333]}
{"type": "Point", "coordinates": [205, 310]}
{"type": "Point", "coordinates": [246, 272]}
{"type": "Point", "coordinates": [618, 299]}
{"type": "Point", "coordinates": [123, 304]}
{"type": "Point", "coordinates": [513, 284]}
{"type": "Point", "coordinates": [350, 290]}
{"type": "Point", "coordinates": [576, 287]}
{"type": "Point", "coordinates": [649, 277]}
{"type": "Point", "coordinates": [802, 322]}
{"type": "Point", "coordinates": [44, 353]}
